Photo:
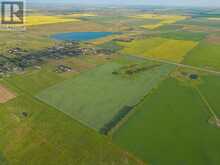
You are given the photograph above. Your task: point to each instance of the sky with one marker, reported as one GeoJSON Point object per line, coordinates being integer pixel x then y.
{"type": "Point", "coordinates": [139, 2]}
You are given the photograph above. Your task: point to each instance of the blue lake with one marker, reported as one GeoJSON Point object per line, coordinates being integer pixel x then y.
{"type": "Point", "coordinates": [80, 36]}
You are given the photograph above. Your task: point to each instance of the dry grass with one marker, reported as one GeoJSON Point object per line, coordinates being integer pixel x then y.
{"type": "Point", "coordinates": [5, 94]}
{"type": "Point", "coordinates": [214, 39]}
{"type": "Point", "coordinates": [152, 26]}
{"type": "Point", "coordinates": [104, 40]}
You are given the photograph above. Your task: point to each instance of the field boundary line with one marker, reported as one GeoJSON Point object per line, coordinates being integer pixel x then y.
{"type": "Point", "coordinates": [121, 150]}
{"type": "Point", "coordinates": [210, 109]}
{"type": "Point", "coordinates": [133, 111]}
{"type": "Point", "coordinates": [182, 65]}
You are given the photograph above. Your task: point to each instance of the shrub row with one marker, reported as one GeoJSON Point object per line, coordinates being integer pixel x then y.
{"type": "Point", "coordinates": [116, 119]}
{"type": "Point", "coordinates": [133, 69]}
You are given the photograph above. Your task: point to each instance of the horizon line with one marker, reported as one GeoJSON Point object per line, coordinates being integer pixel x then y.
{"type": "Point", "coordinates": [121, 5]}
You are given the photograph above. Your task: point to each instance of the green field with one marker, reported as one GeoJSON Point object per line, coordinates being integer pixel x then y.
{"type": "Point", "coordinates": [184, 35]}
{"type": "Point", "coordinates": [37, 138]}
{"type": "Point", "coordinates": [203, 22]}
{"type": "Point", "coordinates": [210, 84]}
{"type": "Point", "coordinates": [173, 131]}
{"type": "Point", "coordinates": [101, 93]}
{"type": "Point", "coordinates": [35, 80]}
{"type": "Point", "coordinates": [204, 55]}
{"type": "Point", "coordinates": [45, 135]}
{"type": "Point", "coordinates": [115, 100]}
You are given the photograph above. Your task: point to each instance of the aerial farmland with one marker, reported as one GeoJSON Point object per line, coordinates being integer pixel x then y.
{"type": "Point", "coordinates": [120, 85]}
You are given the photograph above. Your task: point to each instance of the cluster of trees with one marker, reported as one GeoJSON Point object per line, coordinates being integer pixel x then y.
{"type": "Point", "coordinates": [134, 68]}
{"type": "Point", "coordinates": [116, 119]}
{"type": "Point", "coordinates": [138, 69]}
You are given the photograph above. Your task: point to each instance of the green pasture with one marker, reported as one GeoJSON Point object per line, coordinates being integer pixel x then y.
{"type": "Point", "coordinates": [171, 127]}
{"type": "Point", "coordinates": [202, 22]}
{"type": "Point", "coordinates": [209, 87]}
{"type": "Point", "coordinates": [94, 97]}
{"type": "Point", "coordinates": [38, 138]}
{"type": "Point", "coordinates": [184, 35]}
{"type": "Point", "coordinates": [45, 135]}
{"type": "Point", "coordinates": [205, 55]}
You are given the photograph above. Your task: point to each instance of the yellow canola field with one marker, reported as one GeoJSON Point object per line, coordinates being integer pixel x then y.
{"type": "Point", "coordinates": [164, 19]}
{"type": "Point", "coordinates": [33, 20]}
{"type": "Point", "coordinates": [172, 50]}
{"type": "Point", "coordinates": [40, 20]}
{"type": "Point", "coordinates": [44, 19]}
{"type": "Point", "coordinates": [159, 48]}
